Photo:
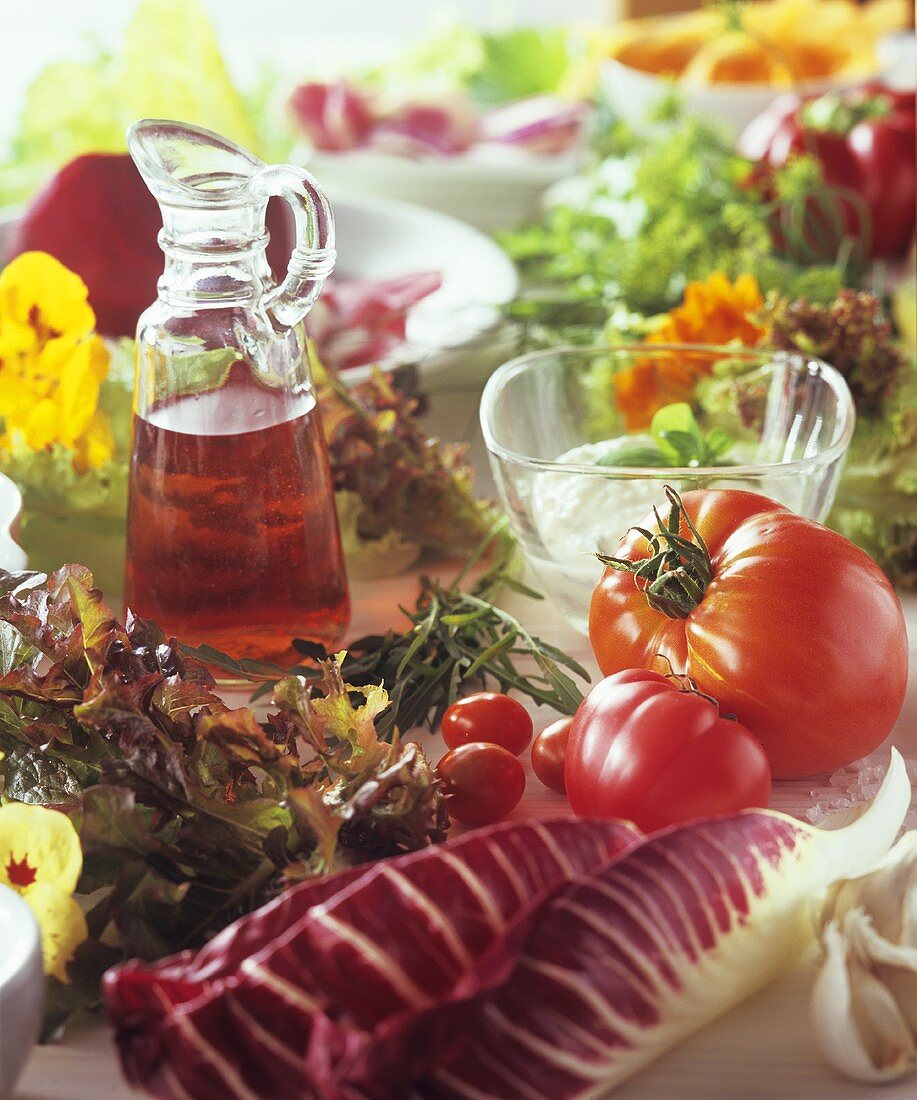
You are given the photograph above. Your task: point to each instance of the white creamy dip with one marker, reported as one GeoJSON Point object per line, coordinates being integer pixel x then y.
{"type": "Point", "coordinates": [578, 514]}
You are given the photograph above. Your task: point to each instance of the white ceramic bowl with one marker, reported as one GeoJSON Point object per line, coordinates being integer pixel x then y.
{"type": "Point", "coordinates": [455, 334]}
{"type": "Point", "coordinates": [488, 188]}
{"type": "Point", "coordinates": [22, 986]}
{"type": "Point", "coordinates": [12, 556]}
{"type": "Point", "coordinates": [633, 95]}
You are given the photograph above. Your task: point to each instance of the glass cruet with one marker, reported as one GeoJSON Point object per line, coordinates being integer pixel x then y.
{"type": "Point", "coordinates": [232, 536]}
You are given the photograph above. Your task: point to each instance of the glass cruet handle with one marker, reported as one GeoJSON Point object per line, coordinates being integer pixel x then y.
{"type": "Point", "coordinates": [313, 257]}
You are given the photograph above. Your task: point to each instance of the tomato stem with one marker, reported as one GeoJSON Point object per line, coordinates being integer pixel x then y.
{"type": "Point", "coordinates": [677, 571]}
{"type": "Point", "coordinates": [687, 683]}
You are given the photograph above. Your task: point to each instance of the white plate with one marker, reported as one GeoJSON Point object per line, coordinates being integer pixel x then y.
{"type": "Point", "coordinates": [22, 986]}
{"type": "Point", "coordinates": [455, 334]}
{"type": "Point", "coordinates": [488, 188]}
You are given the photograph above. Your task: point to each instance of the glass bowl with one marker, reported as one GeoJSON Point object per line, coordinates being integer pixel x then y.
{"type": "Point", "coordinates": [548, 416]}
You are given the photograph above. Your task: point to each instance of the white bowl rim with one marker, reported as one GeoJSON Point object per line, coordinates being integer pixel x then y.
{"type": "Point", "coordinates": [26, 940]}
{"type": "Point", "coordinates": [822, 84]}
{"type": "Point", "coordinates": [536, 172]}
{"type": "Point", "coordinates": [512, 367]}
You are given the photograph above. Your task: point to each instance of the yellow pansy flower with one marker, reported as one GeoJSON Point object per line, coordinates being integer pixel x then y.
{"type": "Point", "coordinates": [51, 362]}
{"type": "Point", "coordinates": [41, 859]}
{"type": "Point", "coordinates": [37, 291]}
{"type": "Point", "coordinates": [95, 446]}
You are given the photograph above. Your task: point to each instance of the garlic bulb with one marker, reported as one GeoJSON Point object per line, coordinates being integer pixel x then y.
{"type": "Point", "coordinates": [864, 1003]}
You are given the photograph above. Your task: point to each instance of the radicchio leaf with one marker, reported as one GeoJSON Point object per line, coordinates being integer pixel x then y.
{"type": "Point", "coordinates": [334, 116]}
{"type": "Point", "coordinates": [522, 961]}
{"type": "Point", "coordinates": [627, 962]}
{"type": "Point", "coordinates": [358, 321]}
{"type": "Point", "coordinates": [541, 124]}
{"type": "Point", "coordinates": [442, 126]}
{"type": "Point", "coordinates": [355, 984]}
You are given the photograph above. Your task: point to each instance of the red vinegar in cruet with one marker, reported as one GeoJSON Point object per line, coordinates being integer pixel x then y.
{"type": "Point", "coordinates": [232, 536]}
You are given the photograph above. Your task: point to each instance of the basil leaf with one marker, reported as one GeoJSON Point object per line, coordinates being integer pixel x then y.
{"type": "Point", "coordinates": [676, 417]}
{"type": "Point", "coordinates": [717, 443]}
{"type": "Point", "coordinates": [634, 456]}
{"type": "Point", "coordinates": [682, 447]}
{"type": "Point", "coordinates": [680, 438]}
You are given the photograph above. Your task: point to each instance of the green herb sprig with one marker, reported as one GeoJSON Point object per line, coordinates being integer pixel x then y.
{"type": "Point", "coordinates": [676, 441]}
{"type": "Point", "coordinates": [456, 640]}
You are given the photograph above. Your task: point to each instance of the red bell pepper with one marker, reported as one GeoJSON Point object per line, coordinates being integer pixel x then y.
{"type": "Point", "coordinates": [866, 143]}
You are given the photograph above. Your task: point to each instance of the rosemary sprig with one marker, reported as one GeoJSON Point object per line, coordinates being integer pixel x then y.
{"type": "Point", "coordinates": [456, 640]}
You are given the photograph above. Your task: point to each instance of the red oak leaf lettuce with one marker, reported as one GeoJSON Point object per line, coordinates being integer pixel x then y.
{"type": "Point", "coordinates": [190, 813]}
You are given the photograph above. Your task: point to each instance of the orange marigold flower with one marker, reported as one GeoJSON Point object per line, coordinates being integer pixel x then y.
{"type": "Point", "coordinates": [714, 311]}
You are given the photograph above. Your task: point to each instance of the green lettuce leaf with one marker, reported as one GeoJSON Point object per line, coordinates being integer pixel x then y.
{"type": "Point", "coordinates": [31, 776]}
{"type": "Point", "coordinates": [172, 67]}
{"type": "Point", "coordinates": [169, 66]}
{"type": "Point", "coordinates": [520, 63]}
{"type": "Point", "coordinates": [449, 56]}
{"type": "Point", "coordinates": [384, 556]}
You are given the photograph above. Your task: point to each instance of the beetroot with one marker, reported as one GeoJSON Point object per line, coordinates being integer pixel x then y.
{"type": "Point", "coordinates": [97, 217]}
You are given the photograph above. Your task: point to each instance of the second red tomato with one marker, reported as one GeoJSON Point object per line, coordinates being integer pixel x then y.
{"type": "Point", "coordinates": [642, 749]}
{"type": "Point", "coordinates": [488, 716]}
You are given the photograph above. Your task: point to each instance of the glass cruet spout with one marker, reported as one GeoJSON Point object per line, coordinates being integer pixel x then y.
{"type": "Point", "coordinates": [213, 192]}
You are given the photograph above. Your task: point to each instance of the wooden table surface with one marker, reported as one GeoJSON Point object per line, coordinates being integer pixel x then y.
{"type": "Point", "coordinates": [764, 1050]}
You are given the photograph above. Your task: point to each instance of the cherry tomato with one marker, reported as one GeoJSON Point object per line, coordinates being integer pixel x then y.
{"type": "Point", "coordinates": [548, 754]}
{"type": "Point", "coordinates": [488, 716]}
{"type": "Point", "coordinates": [482, 782]}
{"type": "Point", "coordinates": [795, 630]}
{"type": "Point", "coordinates": [643, 749]}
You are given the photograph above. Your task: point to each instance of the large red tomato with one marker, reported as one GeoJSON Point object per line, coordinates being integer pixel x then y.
{"type": "Point", "coordinates": [643, 748]}
{"type": "Point", "coordinates": [791, 627]}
